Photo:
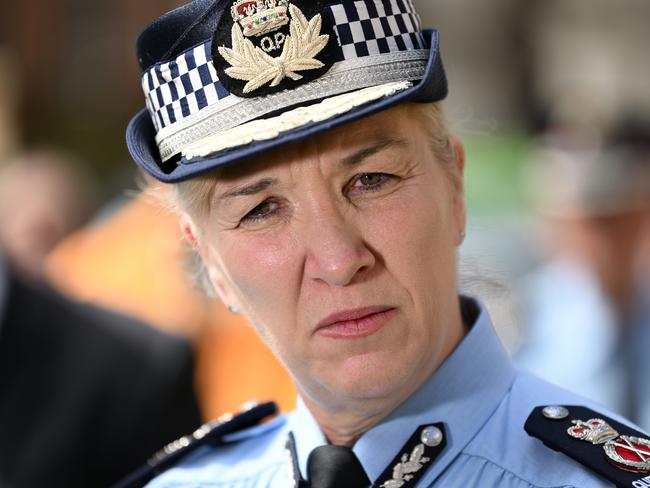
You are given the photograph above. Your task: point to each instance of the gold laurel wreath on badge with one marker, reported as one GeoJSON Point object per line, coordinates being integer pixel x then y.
{"type": "Point", "coordinates": [250, 63]}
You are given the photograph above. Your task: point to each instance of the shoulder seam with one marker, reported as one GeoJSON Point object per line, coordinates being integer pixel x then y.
{"type": "Point", "coordinates": [493, 463]}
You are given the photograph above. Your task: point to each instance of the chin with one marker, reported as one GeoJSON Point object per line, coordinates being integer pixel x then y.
{"type": "Point", "coordinates": [369, 376]}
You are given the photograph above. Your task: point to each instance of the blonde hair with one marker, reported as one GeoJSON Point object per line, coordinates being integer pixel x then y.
{"type": "Point", "coordinates": [193, 196]}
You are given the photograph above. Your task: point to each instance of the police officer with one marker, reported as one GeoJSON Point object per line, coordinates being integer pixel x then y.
{"type": "Point", "coordinates": [316, 178]}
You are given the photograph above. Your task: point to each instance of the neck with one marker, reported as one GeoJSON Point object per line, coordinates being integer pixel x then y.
{"type": "Point", "coordinates": [344, 426]}
{"type": "Point", "coordinates": [344, 421]}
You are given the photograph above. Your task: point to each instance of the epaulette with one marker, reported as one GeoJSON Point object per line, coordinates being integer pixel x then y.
{"type": "Point", "coordinates": [613, 450]}
{"type": "Point", "coordinates": [211, 433]}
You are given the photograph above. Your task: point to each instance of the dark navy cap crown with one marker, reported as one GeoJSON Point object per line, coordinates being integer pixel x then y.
{"type": "Point", "coordinates": [176, 31]}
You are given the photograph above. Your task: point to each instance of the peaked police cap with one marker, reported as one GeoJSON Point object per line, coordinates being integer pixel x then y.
{"type": "Point", "coordinates": [228, 80]}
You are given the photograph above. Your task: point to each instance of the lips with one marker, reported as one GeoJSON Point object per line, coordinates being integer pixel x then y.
{"type": "Point", "coordinates": [355, 323]}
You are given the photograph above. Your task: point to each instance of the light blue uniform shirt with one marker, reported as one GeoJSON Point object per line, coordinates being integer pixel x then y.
{"type": "Point", "coordinates": [573, 338]}
{"type": "Point", "coordinates": [481, 399]}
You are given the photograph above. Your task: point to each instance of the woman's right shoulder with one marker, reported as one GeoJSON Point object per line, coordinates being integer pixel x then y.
{"type": "Point", "coordinates": [250, 457]}
{"type": "Point", "coordinates": [228, 451]}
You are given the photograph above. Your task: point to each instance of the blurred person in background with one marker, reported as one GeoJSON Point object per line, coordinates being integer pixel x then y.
{"type": "Point", "coordinates": [588, 306]}
{"type": "Point", "coordinates": [9, 97]}
{"type": "Point", "coordinates": [83, 392]}
{"type": "Point", "coordinates": [43, 197]}
{"type": "Point", "coordinates": [85, 395]}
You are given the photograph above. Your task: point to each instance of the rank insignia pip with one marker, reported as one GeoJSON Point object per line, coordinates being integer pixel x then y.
{"type": "Point", "coordinates": [626, 452]}
{"type": "Point", "coordinates": [629, 453]}
{"type": "Point", "coordinates": [619, 453]}
{"type": "Point", "coordinates": [265, 46]}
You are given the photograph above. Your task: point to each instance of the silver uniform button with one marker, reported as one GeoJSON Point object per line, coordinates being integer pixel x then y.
{"type": "Point", "coordinates": [431, 436]}
{"type": "Point", "coordinates": [201, 432]}
{"type": "Point", "coordinates": [555, 412]}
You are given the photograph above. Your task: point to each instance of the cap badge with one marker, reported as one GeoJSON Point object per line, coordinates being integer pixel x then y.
{"type": "Point", "coordinates": [625, 452]}
{"type": "Point", "coordinates": [257, 34]}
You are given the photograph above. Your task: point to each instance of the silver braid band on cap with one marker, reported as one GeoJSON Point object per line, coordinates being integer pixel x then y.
{"type": "Point", "coordinates": [344, 77]}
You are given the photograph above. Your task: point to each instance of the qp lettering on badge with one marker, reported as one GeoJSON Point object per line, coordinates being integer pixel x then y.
{"type": "Point", "coordinates": [273, 43]}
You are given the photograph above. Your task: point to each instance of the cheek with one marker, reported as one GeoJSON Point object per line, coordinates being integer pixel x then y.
{"type": "Point", "coordinates": [423, 220]}
{"type": "Point", "coordinates": [422, 260]}
{"type": "Point", "coordinates": [259, 263]}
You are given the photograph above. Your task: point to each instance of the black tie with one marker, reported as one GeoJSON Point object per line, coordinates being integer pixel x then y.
{"type": "Point", "coordinates": [335, 467]}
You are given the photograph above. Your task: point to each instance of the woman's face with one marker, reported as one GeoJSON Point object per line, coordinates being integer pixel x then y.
{"type": "Point", "coordinates": [341, 252]}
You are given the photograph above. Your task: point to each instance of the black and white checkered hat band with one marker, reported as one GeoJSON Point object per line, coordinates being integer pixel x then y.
{"type": "Point", "coordinates": [380, 42]}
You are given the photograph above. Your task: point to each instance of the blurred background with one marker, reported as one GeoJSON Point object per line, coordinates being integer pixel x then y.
{"type": "Point", "coordinates": [551, 98]}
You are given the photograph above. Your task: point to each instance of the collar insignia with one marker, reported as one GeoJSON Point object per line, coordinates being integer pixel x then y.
{"type": "Point", "coordinates": [411, 462]}
{"type": "Point", "coordinates": [273, 45]}
{"type": "Point", "coordinates": [423, 447]}
{"type": "Point", "coordinates": [407, 467]}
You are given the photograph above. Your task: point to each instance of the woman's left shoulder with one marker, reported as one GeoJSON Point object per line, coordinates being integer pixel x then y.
{"type": "Point", "coordinates": [528, 440]}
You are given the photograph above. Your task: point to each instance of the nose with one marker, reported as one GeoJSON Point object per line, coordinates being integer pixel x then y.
{"type": "Point", "coordinates": [336, 250]}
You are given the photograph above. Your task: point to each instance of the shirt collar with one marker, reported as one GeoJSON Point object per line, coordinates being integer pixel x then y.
{"type": "Point", "coordinates": [474, 378]}
{"type": "Point", "coordinates": [307, 433]}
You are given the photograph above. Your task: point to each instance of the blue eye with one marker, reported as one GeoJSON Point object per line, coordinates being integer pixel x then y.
{"type": "Point", "coordinates": [373, 179]}
{"type": "Point", "coordinates": [370, 181]}
{"type": "Point", "coordinates": [261, 212]}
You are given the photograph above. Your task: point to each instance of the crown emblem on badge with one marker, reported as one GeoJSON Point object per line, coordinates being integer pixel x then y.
{"type": "Point", "coordinates": [625, 452]}
{"type": "Point", "coordinates": [596, 431]}
{"type": "Point", "coordinates": [259, 17]}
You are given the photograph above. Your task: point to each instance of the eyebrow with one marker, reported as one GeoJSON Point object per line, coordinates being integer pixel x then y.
{"type": "Point", "coordinates": [349, 161]}
{"type": "Point", "coordinates": [367, 152]}
{"type": "Point", "coordinates": [252, 189]}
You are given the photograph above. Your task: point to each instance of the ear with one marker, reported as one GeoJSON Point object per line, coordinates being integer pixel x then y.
{"type": "Point", "coordinates": [189, 232]}
{"type": "Point", "coordinates": [212, 266]}
{"type": "Point", "coordinates": [460, 209]}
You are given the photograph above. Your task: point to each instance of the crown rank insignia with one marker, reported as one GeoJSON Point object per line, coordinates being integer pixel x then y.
{"type": "Point", "coordinates": [259, 17]}
{"type": "Point", "coordinates": [625, 452]}
{"type": "Point", "coordinates": [596, 431]}
{"type": "Point", "coordinates": [612, 449]}
{"type": "Point", "coordinates": [266, 46]}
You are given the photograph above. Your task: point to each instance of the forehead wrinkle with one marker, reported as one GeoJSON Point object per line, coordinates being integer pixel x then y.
{"type": "Point", "coordinates": [371, 150]}
{"type": "Point", "coordinates": [250, 189]}
{"type": "Point", "coordinates": [370, 136]}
